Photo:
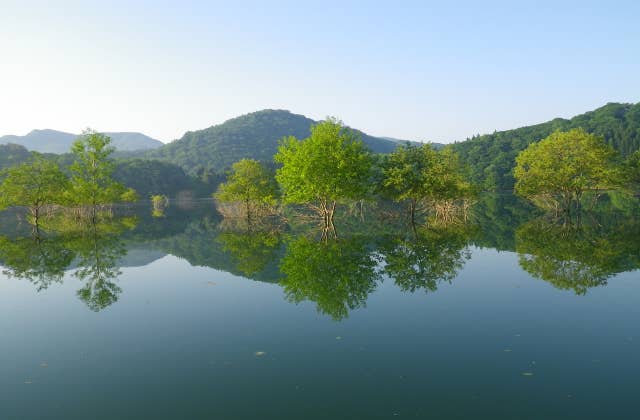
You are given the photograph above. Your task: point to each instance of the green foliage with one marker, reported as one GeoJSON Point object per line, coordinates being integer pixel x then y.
{"type": "Point", "coordinates": [632, 171]}
{"type": "Point", "coordinates": [151, 177]}
{"type": "Point", "coordinates": [561, 168]}
{"type": "Point", "coordinates": [91, 172]}
{"type": "Point", "coordinates": [491, 157]}
{"type": "Point", "coordinates": [331, 165]}
{"type": "Point", "coordinates": [251, 136]}
{"type": "Point", "coordinates": [34, 184]}
{"type": "Point", "coordinates": [249, 183]}
{"type": "Point", "coordinates": [13, 155]}
{"type": "Point", "coordinates": [422, 174]}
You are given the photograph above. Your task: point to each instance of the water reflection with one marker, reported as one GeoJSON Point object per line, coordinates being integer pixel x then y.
{"type": "Point", "coordinates": [90, 248]}
{"type": "Point", "coordinates": [41, 259]}
{"type": "Point", "coordinates": [422, 261]}
{"type": "Point", "coordinates": [578, 257]}
{"type": "Point", "coordinates": [336, 275]}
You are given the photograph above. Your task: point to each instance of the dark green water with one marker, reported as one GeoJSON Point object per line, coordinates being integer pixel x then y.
{"type": "Point", "coordinates": [181, 317]}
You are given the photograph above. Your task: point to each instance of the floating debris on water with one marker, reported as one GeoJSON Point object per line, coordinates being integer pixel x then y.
{"type": "Point", "coordinates": [507, 350]}
{"type": "Point", "coordinates": [338, 338]}
{"type": "Point", "coordinates": [44, 364]}
{"type": "Point", "coordinates": [260, 353]}
{"type": "Point", "coordinates": [527, 373]}
{"type": "Point", "coordinates": [28, 381]}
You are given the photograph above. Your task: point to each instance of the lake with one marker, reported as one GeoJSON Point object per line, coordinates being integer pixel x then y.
{"type": "Point", "coordinates": [189, 316]}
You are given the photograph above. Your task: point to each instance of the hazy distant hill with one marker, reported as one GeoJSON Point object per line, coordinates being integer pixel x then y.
{"type": "Point", "coordinates": [52, 141]}
{"type": "Point", "coordinates": [491, 157]}
{"type": "Point", "coordinates": [254, 135]}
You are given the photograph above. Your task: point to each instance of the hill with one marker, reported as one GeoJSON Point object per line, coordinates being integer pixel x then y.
{"type": "Point", "coordinates": [52, 141]}
{"type": "Point", "coordinates": [254, 135]}
{"type": "Point", "coordinates": [491, 157]}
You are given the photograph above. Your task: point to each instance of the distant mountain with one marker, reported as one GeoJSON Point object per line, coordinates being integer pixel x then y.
{"type": "Point", "coordinates": [52, 141]}
{"type": "Point", "coordinates": [491, 157]}
{"type": "Point", "coordinates": [254, 136]}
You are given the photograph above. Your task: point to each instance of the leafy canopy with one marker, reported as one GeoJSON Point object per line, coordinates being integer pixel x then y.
{"type": "Point", "coordinates": [249, 182]}
{"type": "Point", "coordinates": [565, 165]}
{"type": "Point", "coordinates": [331, 165]}
{"type": "Point", "coordinates": [33, 184]}
{"type": "Point", "coordinates": [91, 171]}
{"type": "Point", "coordinates": [420, 172]}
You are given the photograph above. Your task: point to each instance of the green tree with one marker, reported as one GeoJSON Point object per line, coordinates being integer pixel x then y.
{"type": "Point", "coordinates": [557, 171]}
{"type": "Point", "coordinates": [250, 184]}
{"type": "Point", "coordinates": [632, 171]}
{"type": "Point", "coordinates": [331, 165]}
{"type": "Point", "coordinates": [34, 185]}
{"type": "Point", "coordinates": [422, 175]}
{"type": "Point", "coordinates": [91, 172]}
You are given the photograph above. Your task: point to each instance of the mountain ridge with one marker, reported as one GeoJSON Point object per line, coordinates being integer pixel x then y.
{"type": "Point", "coordinates": [59, 142]}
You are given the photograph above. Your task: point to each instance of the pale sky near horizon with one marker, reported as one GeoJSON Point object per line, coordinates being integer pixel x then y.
{"type": "Point", "coordinates": [419, 70]}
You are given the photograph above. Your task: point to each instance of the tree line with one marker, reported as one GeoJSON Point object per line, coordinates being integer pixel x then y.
{"type": "Point", "coordinates": [560, 173]}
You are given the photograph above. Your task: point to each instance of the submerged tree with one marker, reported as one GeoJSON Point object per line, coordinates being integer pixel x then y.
{"type": "Point", "coordinates": [250, 185]}
{"type": "Point", "coordinates": [35, 185]}
{"type": "Point", "coordinates": [557, 171]}
{"type": "Point", "coordinates": [91, 172]}
{"type": "Point", "coordinates": [423, 176]}
{"type": "Point", "coordinates": [330, 166]}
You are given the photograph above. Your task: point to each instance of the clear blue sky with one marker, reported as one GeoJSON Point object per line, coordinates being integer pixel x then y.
{"type": "Point", "coordinates": [437, 71]}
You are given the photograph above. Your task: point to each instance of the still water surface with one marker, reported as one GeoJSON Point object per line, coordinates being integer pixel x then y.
{"type": "Point", "coordinates": [179, 317]}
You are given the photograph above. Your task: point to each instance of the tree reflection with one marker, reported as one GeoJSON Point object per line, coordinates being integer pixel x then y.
{"type": "Point", "coordinates": [432, 256]}
{"type": "Point", "coordinates": [251, 251]}
{"type": "Point", "coordinates": [337, 275]}
{"type": "Point", "coordinates": [578, 257]}
{"type": "Point", "coordinates": [92, 246]}
{"type": "Point", "coordinates": [98, 248]}
{"type": "Point", "coordinates": [40, 259]}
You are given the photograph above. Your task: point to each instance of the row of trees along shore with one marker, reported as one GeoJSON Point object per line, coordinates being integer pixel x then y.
{"type": "Point", "coordinates": [559, 174]}
{"type": "Point", "coordinates": [85, 188]}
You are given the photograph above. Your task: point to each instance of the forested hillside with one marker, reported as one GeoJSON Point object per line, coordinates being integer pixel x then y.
{"type": "Point", "coordinates": [491, 157]}
{"type": "Point", "coordinates": [12, 154]}
{"type": "Point", "coordinates": [253, 136]}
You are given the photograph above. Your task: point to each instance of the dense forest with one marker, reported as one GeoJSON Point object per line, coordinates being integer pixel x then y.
{"type": "Point", "coordinates": [253, 136]}
{"type": "Point", "coordinates": [491, 157]}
